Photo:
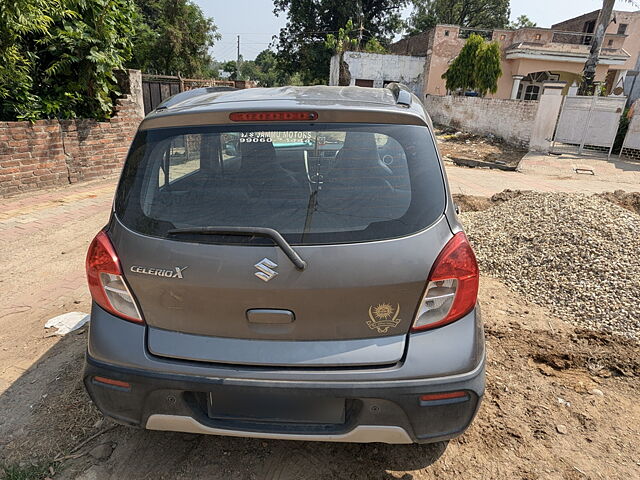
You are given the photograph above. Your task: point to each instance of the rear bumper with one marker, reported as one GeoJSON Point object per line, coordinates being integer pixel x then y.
{"type": "Point", "coordinates": [386, 413]}
{"type": "Point", "coordinates": [381, 404]}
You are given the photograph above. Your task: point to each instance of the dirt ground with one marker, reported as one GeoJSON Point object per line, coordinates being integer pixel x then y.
{"type": "Point", "coordinates": [461, 145]}
{"type": "Point", "coordinates": [561, 403]}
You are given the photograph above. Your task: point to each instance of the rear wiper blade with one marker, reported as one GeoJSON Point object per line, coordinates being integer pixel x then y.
{"type": "Point", "coordinates": [247, 231]}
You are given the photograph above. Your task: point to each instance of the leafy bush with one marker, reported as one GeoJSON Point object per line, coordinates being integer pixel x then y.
{"type": "Point", "coordinates": [477, 67]}
{"type": "Point", "coordinates": [57, 57]}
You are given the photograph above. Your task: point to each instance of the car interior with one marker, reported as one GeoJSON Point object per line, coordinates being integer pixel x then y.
{"type": "Point", "coordinates": [342, 181]}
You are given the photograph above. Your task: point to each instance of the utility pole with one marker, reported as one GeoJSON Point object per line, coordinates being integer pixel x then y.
{"type": "Point", "coordinates": [589, 73]}
{"type": "Point", "coordinates": [360, 33]}
{"type": "Point", "coordinates": [238, 60]}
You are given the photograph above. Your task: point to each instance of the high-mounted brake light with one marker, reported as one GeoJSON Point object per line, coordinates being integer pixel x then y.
{"type": "Point", "coordinates": [106, 283]}
{"type": "Point", "coordinates": [452, 286]}
{"type": "Point", "coordinates": [273, 116]}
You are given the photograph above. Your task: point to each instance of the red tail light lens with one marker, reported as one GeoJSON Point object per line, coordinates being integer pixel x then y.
{"type": "Point", "coordinates": [106, 283]}
{"type": "Point", "coordinates": [452, 286]}
{"type": "Point", "coordinates": [273, 116]}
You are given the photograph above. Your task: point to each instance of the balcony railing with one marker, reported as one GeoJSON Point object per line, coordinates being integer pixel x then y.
{"type": "Point", "coordinates": [574, 38]}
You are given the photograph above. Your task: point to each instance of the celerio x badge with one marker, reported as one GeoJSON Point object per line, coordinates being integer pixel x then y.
{"type": "Point", "coordinates": [160, 272]}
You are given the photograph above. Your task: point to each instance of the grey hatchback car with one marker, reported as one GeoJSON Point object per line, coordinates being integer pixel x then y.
{"type": "Point", "coordinates": [286, 263]}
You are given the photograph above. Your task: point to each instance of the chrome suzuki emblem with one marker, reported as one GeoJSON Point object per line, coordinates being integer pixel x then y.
{"type": "Point", "coordinates": [266, 268]}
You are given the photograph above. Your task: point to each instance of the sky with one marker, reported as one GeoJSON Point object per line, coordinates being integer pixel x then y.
{"type": "Point", "coordinates": [256, 24]}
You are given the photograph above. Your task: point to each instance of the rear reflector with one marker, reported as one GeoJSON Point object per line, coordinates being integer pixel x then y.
{"type": "Point", "coordinates": [452, 286]}
{"type": "Point", "coordinates": [112, 382]}
{"type": "Point", "coordinates": [272, 116]}
{"type": "Point", "coordinates": [442, 396]}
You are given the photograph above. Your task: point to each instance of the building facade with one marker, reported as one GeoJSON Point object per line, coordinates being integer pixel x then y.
{"type": "Point", "coordinates": [531, 57]}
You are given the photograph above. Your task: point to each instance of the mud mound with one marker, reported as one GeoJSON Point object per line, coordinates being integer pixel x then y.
{"type": "Point", "coordinates": [630, 201]}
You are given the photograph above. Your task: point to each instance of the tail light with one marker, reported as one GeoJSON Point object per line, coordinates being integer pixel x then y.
{"type": "Point", "coordinates": [452, 286]}
{"type": "Point", "coordinates": [106, 283]}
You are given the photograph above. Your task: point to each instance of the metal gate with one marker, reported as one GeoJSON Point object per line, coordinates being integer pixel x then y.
{"type": "Point", "coordinates": [588, 124]}
{"type": "Point", "coordinates": [157, 88]}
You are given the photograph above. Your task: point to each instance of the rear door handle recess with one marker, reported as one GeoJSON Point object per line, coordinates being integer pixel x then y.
{"type": "Point", "coordinates": [270, 316]}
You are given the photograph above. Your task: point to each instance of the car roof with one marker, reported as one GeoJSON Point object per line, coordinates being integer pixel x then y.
{"type": "Point", "coordinates": [393, 104]}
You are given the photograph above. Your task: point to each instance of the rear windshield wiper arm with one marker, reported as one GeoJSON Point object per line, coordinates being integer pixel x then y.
{"type": "Point", "coordinates": [247, 231]}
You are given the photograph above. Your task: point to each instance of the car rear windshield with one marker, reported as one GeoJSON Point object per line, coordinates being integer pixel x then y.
{"type": "Point", "coordinates": [315, 184]}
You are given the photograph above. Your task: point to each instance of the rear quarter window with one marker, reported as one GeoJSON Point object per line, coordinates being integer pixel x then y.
{"type": "Point", "coordinates": [315, 184]}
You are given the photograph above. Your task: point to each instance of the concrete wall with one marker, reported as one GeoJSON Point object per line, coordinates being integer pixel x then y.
{"type": "Point", "coordinates": [59, 152]}
{"type": "Point", "coordinates": [381, 68]}
{"type": "Point", "coordinates": [511, 120]}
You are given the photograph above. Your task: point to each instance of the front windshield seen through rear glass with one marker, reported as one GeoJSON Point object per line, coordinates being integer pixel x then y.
{"type": "Point", "coordinates": [315, 184]}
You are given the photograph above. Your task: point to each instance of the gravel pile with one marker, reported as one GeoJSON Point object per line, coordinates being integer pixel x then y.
{"type": "Point", "coordinates": [578, 255]}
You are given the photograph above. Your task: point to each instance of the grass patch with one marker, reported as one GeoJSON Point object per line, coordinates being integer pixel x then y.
{"type": "Point", "coordinates": [28, 472]}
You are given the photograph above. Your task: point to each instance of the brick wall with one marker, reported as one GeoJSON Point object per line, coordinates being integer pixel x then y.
{"type": "Point", "coordinates": [417, 45]}
{"type": "Point", "coordinates": [58, 152]}
{"type": "Point", "coordinates": [511, 120]}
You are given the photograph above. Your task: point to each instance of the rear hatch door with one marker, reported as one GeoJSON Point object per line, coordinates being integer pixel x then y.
{"type": "Point", "coordinates": [368, 236]}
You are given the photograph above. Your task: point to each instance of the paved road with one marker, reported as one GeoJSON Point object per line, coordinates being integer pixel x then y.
{"type": "Point", "coordinates": [546, 173]}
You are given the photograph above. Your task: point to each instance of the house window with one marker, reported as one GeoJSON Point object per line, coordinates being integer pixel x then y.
{"type": "Point", "coordinates": [446, 33]}
{"type": "Point", "coordinates": [622, 29]}
{"type": "Point", "coordinates": [538, 36]}
{"type": "Point", "coordinates": [502, 37]}
{"type": "Point", "coordinates": [610, 43]}
{"type": "Point", "coordinates": [532, 92]}
{"type": "Point", "coordinates": [364, 83]}
{"type": "Point", "coordinates": [589, 27]}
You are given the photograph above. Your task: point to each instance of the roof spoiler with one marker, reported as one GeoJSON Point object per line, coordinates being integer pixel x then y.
{"type": "Point", "coordinates": [401, 93]}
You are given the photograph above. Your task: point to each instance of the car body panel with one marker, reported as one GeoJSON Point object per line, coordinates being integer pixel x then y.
{"type": "Point", "coordinates": [331, 299]}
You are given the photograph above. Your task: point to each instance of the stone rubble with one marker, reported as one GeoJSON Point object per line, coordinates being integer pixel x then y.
{"type": "Point", "coordinates": [578, 255]}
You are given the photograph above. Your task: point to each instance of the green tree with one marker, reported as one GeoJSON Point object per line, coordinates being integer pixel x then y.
{"type": "Point", "coordinates": [345, 40]}
{"type": "Point", "coordinates": [338, 44]}
{"type": "Point", "coordinates": [374, 46]}
{"type": "Point", "coordinates": [271, 74]}
{"type": "Point", "coordinates": [58, 57]}
{"type": "Point", "coordinates": [264, 69]}
{"type": "Point", "coordinates": [477, 67]}
{"type": "Point", "coordinates": [250, 71]}
{"type": "Point", "coordinates": [348, 39]}
{"type": "Point", "coordinates": [479, 14]}
{"type": "Point", "coordinates": [522, 22]}
{"type": "Point", "coordinates": [487, 68]}
{"type": "Point", "coordinates": [173, 37]}
{"type": "Point", "coordinates": [461, 72]}
{"type": "Point", "coordinates": [301, 43]}
{"type": "Point", "coordinates": [231, 67]}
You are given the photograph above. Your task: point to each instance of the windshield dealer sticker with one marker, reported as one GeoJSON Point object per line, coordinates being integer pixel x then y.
{"type": "Point", "coordinates": [383, 317]}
